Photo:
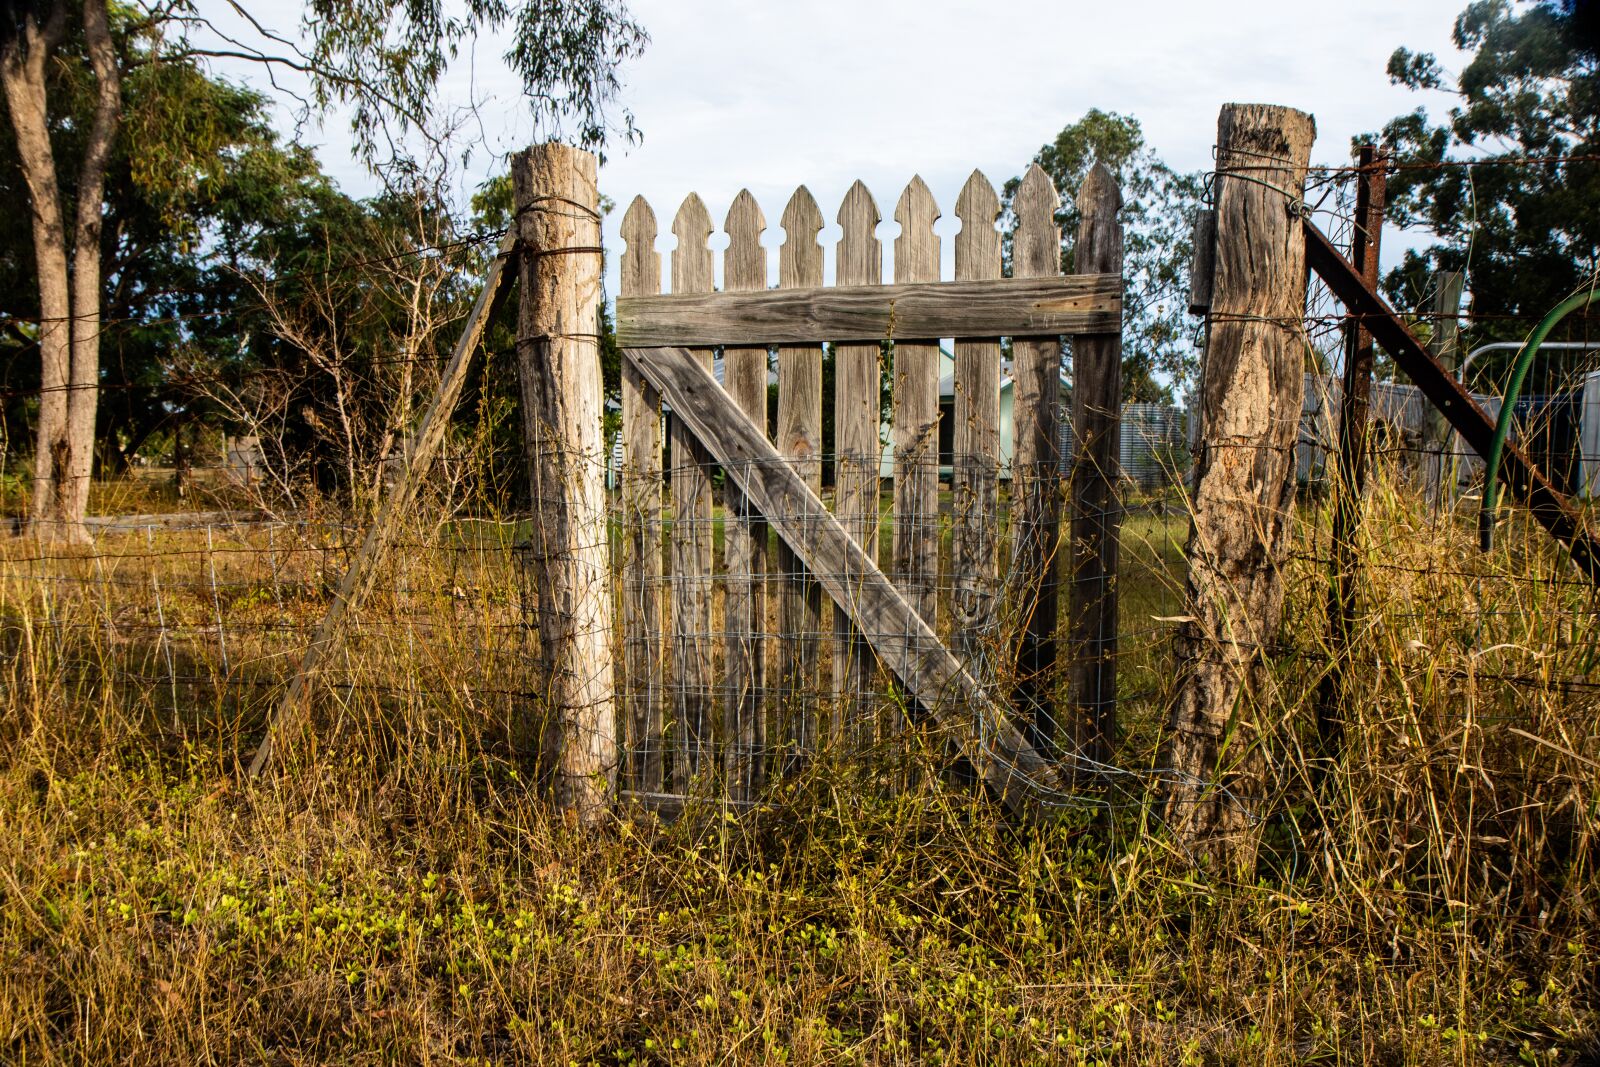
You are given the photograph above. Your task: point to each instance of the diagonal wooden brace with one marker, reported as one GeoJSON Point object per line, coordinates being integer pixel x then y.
{"type": "Point", "coordinates": [1549, 505]}
{"type": "Point", "coordinates": [893, 628]}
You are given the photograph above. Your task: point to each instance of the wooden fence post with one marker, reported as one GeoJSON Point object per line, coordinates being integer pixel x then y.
{"type": "Point", "coordinates": [1354, 427]}
{"type": "Point", "coordinates": [802, 614]}
{"type": "Point", "coordinates": [1096, 470]}
{"type": "Point", "coordinates": [1439, 469]}
{"type": "Point", "coordinates": [1243, 498]}
{"type": "Point", "coordinates": [558, 360]}
{"type": "Point", "coordinates": [858, 454]}
{"type": "Point", "coordinates": [975, 437]}
{"type": "Point", "coordinates": [915, 428]}
{"type": "Point", "coordinates": [693, 513]}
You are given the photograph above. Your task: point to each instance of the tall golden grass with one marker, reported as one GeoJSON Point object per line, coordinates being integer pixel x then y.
{"type": "Point", "coordinates": [397, 891]}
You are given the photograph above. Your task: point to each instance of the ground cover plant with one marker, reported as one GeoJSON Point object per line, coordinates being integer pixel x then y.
{"type": "Point", "coordinates": [399, 892]}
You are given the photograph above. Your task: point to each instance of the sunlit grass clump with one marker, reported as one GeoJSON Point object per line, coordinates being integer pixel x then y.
{"type": "Point", "coordinates": [397, 891]}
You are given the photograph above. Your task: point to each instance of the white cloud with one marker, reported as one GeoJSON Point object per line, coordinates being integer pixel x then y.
{"type": "Point", "coordinates": [764, 94]}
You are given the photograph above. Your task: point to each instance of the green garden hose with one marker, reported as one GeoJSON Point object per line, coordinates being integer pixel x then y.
{"type": "Point", "coordinates": [1502, 426]}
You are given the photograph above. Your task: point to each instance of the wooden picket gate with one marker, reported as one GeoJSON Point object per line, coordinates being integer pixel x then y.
{"type": "Point", "coordinates": [800, 641]}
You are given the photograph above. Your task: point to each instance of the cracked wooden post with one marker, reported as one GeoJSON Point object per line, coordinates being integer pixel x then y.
{"type": "Point", "coordinates": [558, 361]}
{"type": "Point", "coordinates": [1243, 499]}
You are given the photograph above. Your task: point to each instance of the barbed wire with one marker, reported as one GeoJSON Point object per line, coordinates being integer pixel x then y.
{"type": "Point", "coordinates": [470, 241]}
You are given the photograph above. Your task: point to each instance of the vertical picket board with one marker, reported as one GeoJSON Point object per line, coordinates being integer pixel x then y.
{"type": "Point", "coordinates": [641, 508]}
{"type": "Point", "coordinates": [801, 608]}
{"type": "Point", "coordinates": [975, 460]}
{"type": "Point", "coordinates": [693, 706]}
{"type": "Point", "coordinates": [858, 453]}
{"type": "Point", "coordinates": [1035, 465]}
{"type": "Point", "coordinates": [1096, 523]}
{"type": "Point", "coordinates": [916, 415]}
{"type": "Point", "coordinates": [744, 267]}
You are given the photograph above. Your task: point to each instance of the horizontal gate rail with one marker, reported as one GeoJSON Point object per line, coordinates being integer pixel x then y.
{"type": "Point", "coordinates": [998, 307]}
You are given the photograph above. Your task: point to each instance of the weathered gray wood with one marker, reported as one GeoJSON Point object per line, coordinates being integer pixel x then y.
{"type": "Point", "coordinates": [357, 581]}
{"type": "Point", "coordinates": [693, 671]}
{"type": "Point", "coordinates": [177, 520]}
{"type": "Point", "coordinates": [975, 460]}
{"type": "Point", "coordinates": [857, 450]}
{"type": "Point", "coordinates": [900, 637]}
{"type": "Point", "coordinates": [1096, 474]}
{"type": "Point", "coordinates": [801, 612]}
{"type": "Point", "coordinates": [558, 359]}
{"type": "Point", "coordinates": [851, 312]}
{"type": "Point", "coordinates": [1036, 464]}
{"type": "Point", "coordinates": [744, 267]}
{"type": "Point", "coordinates": [1439, 468]}
{"type": "Point", "coordinates": [1243, 495]}
{"type": "Point", "coordinates": [643, 624]}
{"type": "Point", "coordinates": [915, 419]}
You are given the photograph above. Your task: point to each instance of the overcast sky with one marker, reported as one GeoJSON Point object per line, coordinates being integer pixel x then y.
{"type": "Point", "coordinates": [771, 93]}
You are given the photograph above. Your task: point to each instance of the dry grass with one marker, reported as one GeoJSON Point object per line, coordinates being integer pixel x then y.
{"type": "Point", "coordinates": [398, 893]}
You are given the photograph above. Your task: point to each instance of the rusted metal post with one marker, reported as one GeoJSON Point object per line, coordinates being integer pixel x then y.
{"type": "Point", "coordinates": [1353, 432]}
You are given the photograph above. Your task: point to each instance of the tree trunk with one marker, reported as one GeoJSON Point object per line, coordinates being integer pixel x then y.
{"type": "Point", "coordinates": [84, 397]}
{"type": "Point", "coordinates": [22, 67]}
{"type": "Point", "coordinates": [1243, 499]}
{"type": "Point", "coordinates": [69, 279]}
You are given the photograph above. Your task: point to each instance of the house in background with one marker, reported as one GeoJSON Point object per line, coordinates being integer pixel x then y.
{"type": "Point", "coordinates": [1151, 444]}
{"type": "Point", "coordinates": [1559, 431]}
{"type": "Point", "coordinates": [1152, 440]}
{"type": "Point", "coordinates": [947, 420]}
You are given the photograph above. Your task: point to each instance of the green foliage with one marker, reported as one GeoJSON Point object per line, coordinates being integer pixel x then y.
{"type": "Point", "coordinates": [401, 892]}
{"type": "Point", "coordinates": [1158, 211]}
{"type": "Point", "coordinates": [195, 176]}
{"type": "Point", "coordinates": [1526, 234]}
{"type": "Point", "coordinates": [384, 60]}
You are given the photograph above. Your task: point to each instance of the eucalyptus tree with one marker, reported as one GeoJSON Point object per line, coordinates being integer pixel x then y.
{"type": "Point", "coordinates": [1523, 220]}
{"type": "Point", "coordinates": [381, 62]}
{"type": "Point", "coordinates": [1159, 204]}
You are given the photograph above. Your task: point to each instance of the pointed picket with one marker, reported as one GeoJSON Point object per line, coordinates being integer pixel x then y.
{"type": "Point", "coordinates": [802, 612]}
{"type": "Point", "coordinates": [692, 259]}
{"type": "Point", "coordinates": [645, 682]}
{"type": "Point", "coordinates": [1094, 528]}
{"type": "Point", "coordinates": [1036, 464]}
{"type": "Point", "coordinates": [915, 380]}
{"type": "Point", "coordinates": [975, 459]}
{"type": "Point", "coordinates": [694, 702]}
{"type": "Point", "coordinates": [858, 453]}
{"type": "Point", "coordinates": [744, 267]}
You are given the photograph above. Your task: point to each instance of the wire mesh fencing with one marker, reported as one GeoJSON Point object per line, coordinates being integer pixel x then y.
{"type": "Point", "coordinates": [194, 631]}
{"type": "Point", "coordinates": [200, 625]}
